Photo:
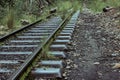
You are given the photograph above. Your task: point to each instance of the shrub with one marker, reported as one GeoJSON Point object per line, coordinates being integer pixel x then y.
{"type": "Point", "coordinates": [10, 19]}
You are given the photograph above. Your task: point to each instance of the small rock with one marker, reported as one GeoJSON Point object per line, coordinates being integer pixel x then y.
{"type": "Point", "coordinates": [77, 26]}
{"type": "Point", "coordinates": [99, 73]}
{"type": "Point", "coordinates": [71, 66]}
{"type": "Point", "coordinates": [75, 66]}
{"type": "Point", "coordinates": [68, 74]}
{"type": "Point", "coordinates": [114, 54]}
{"type": "Point", "coordinates": [24, 22]}
{"type": "Point", "coordinates": [78, 22]}
{"type": "Point", "coordinates": [96, 63]}
{"type": "Point", "coordinates": [69, 71]}
{"type": "Point", "coordinates": [76, 36]}
{"type": "Point", "coordinates": [83, 61]}
{"type": "Point", "coordinates": [68, 62]}
{"type": "Point", "coordinates": [80, 58]}
{"type": "Point", "coordinates": [42, 79]}
{"type": "Point", "coordinates": [103, 39]}
{"type": "Point", "coordinates": [116, 21]}
{"type": "Point", "coordinates": [98, 31]}
{"type": "Point", "coordinates": [118, 36]}
{"type": "Point", "coordinates": [77, 54]}
{"type": "Point", "coordinates": [68, 67]}
{"type": "Point", "coordinates": [69, 43]}
{"type": "Point", "coordinates": [64, 74]}
{"type": "Point", "coordinates": [114, 70]}
{"type": "Point", "coordinates": [53, 10]}
{"type": "Point", "coordinates": [74, 54]}
{"type": "Point", "coordinates": [66, 78]}
{"type": "Point", "coordinates": [73, 44]}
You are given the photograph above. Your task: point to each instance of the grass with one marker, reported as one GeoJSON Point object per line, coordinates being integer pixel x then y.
{"type": "Point", "coordinates": [98, 5]}
{"type": "Point", "coordinates": [12, 20]}
{"type": "Point", "coordinates": [48, 56]}
{"type": "Point", "coordinates": [65, 7]}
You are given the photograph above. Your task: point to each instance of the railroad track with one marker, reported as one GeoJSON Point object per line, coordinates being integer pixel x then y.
{"type": "Point", "coordinates": [37, 50]}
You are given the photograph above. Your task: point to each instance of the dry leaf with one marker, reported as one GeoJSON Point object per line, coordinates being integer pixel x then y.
{"type": "Point", "coordinates": [117, 65]}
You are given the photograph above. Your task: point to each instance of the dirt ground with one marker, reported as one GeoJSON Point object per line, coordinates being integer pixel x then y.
{"type": "Point", "coordinates": [96, 49]}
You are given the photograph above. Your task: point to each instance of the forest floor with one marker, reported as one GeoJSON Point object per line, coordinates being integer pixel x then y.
{"type": "Point", "coordinates": [96, 48]}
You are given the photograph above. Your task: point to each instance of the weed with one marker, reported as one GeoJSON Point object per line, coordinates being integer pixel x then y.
{"type": "Point", "coordinates": [48, 56]}
{"type": "Point", "coordinates": [1, 43]}
{"type": "Point", "coordinates": [10, 21]}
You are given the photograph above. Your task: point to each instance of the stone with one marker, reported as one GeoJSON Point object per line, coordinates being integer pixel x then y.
{"type": "Point", "coordinates": [83, 61]}
{"type": "Point", "coordinates": [98, 31]}
{"type": "Point", "coordinates": [114, 54]}
{"type": "Point", "coordinates": [53, 10]}
{"type": "Point", "coordinates": [96, 63]}
{"type": "Point", "coordinates": [79, 22]}
{"type": "Point", "coordinates": [74, 54]}
{"type": "Point", "coordinates": [103, 39]}
{"type": "Point", "coordinates": [65, 74]}
{"type": "Point", "coordinates": [24, 22]}
{"type": "Point", "coordinates": [68, 67]}
{"type": "Point", "coordinates": [80, 58]}
{"type": "Point", "coordinates": [99, 73]}
{"type": "Point", "coordinates": [75, 66]}
{"type": "Point", "coordinates": [66, 78]}
{"type": "Point", "coordinates": [118, 36]}
{"type": "Point", "coordinates": [68, 62]}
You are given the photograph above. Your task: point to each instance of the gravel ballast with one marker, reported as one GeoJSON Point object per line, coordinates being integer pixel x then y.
{"type": "Point", "coordinates": [95, 48]}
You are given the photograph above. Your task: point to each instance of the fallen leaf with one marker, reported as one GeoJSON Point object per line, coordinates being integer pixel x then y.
{"type": "Point", "coordinates": [116, 66]}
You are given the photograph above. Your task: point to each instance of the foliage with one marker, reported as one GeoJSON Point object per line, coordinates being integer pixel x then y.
{"type": "Point", "coordinates": [13, 11]}
{"type": "Point", "coordinates": [98, 5]}
{"type": "Point", "coordinates": [19, 9]}
{"type": "Point", "coordinates": [65, 6]}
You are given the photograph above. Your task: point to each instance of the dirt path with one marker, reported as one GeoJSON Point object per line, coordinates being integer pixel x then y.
{"type": "Point", "coordinates": [95, 52]}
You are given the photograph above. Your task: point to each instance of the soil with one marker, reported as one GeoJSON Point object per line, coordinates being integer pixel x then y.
{"type": "Point", "coordinates": [96, 49]}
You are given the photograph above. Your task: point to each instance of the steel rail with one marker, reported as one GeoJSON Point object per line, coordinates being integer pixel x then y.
{"type": "Point", "coordinates": [24, 67]}
{"type": "Point", "coordinates": [21, 29]}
